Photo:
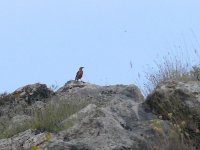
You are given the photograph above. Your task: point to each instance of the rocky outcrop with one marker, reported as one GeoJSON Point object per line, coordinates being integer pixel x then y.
{"type": "Point", "coordinates": [25, 140]}
{"type": "Point", "coordinates": [16, 142]}
{"type": "Point", "coordinates": [179, 102]}
{"type": "Point", "coordinates": [23, 99]}
{"type": "Point", "coordinates": [32, 93]}
{"type": "Point", "coordinates": [16, 108]}
{"type": "Point", "coordinates": [70, 85]}
{"type": "Point", "coordinates": [114, 118]}
{"type": "Point", "coordinates": [98, 94]}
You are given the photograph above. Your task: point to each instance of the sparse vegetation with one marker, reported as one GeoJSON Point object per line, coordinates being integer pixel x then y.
{"type": "Point", "coordinates": [13, 130]}
{"type": "Point", "coordinates": [175, 139]}
{"type": "Point", "coordinates": [185, 122]}
{"type": "Point", "coordinates": [171, 67]}
{"type": "Point", "coordinates": [47, 119]}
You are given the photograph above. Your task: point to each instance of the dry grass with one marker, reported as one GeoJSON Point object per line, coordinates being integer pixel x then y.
{"type": "Point", "coordinates": [176, 68]}
{"type": "Point", "coordinates": [50, 118]}
{"type": "Point", "coordinates": [11, 131]}
{"type": "Point", "coordinates": [167, 137]}
{"type": "Point", "coordinates": [172, 67]}
{"type": "Point", "coordinates": [47, 119]}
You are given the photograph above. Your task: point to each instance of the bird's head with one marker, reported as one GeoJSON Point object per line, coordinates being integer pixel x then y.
{"type": "Point", "coordinates": [81, 68]}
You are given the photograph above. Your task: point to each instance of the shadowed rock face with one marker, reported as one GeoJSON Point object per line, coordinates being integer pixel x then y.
{"type": "Point", "coordinates": [115, 118]}
{"type": "Point", "coordinates": [182, 101]}
{"type": "Point", "coordinates": [22, 101]}
{"type": "Point", "coordinates": [32, 93]}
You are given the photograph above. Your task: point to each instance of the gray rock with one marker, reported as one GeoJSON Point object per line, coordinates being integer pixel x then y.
{"type": "Point", "coordinates": [114, 118]}
{"type": "Point", "coordinates": [23, 102]}
{"type": "Point", "coordinates": [178, 102]}
{"type": "Point", "coordinates": [60, 145]}
{"type": "Point", "coordinates": [5, 144]}
{"type": "Point", "coordinates": [70, 85]}
{"type": "Point", "coordinates": [100, 95]}
{"type": "Point", "coordinates": [25, 140]}
{"type": "Point", "coordinates": [33, 92]}
{"type": "Point", "coordinates": [19, 139]}
{"type": "Point", "coordinates": [16, 142]}
{"type": "Point", "coordinates": [36, 140]}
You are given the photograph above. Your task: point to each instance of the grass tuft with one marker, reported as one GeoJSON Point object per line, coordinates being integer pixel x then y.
{"type": "Point", "coordinates": [50, 118]}
{"type": "Point", "coordinates": [47, 119]}
{"type": "Point", "coordinates": [171, 67]}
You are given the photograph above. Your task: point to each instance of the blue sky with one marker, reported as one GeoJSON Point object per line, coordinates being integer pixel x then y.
{"type": "Point", "coordinates": [46, 41]}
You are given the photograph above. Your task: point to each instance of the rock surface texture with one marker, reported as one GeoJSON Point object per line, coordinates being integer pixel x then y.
{"type": "Point", "coordinates": [115, 117]}
{"type": "Point", "coordinates": [180, 103]}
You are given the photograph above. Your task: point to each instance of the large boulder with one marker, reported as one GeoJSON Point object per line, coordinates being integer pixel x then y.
{"type": "Point", "coordinates": [117, 126]}
{"type": "Point", "coordinates": [178, 102]}
{"type": "Point", "coordinates": [26, 140]}
{"type": "Point", "coordinates": [33, 92]}
{"type": "Point", "coordinates": [98, 94]}
{"type": "Point", "coordinates": [115, 119]}
{"type": "Point", "coordinates": [16, 142]}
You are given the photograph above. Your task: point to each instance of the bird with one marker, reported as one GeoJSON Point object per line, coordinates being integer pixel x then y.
{"type": "Point", "coordinates": [79, 74]}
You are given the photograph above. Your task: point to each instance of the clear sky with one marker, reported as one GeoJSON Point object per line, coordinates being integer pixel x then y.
{"type": "Point", "coordinates": [47, 41]}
